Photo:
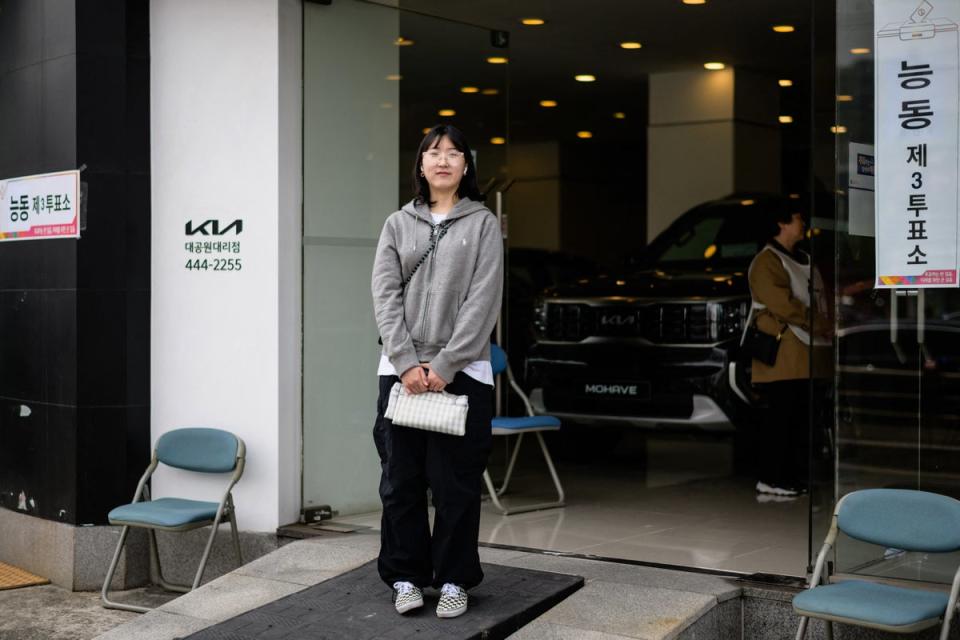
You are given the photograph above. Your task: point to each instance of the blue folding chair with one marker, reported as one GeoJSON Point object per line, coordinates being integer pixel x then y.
{"type": "Point", "coordinates": [892, 518]}
{"type": "Point", "coordinates": [532, 423]}
{"type": "Point", "coordinates": [199, 450]}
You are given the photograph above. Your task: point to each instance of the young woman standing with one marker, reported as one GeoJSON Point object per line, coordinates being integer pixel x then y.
{"type": "Point", "coordinates": [436, 336]}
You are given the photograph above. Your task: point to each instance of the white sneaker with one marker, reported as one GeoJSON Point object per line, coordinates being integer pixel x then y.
{"type": "Point", "coordinates": [763, 487]}
{"type": "Point", "coordinates": [406, 596]}
{"type": "Point", "coordinates": [453, 601]}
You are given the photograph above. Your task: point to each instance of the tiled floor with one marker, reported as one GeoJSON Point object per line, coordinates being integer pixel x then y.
{"type": "Point", "coordinates": [673, 501]}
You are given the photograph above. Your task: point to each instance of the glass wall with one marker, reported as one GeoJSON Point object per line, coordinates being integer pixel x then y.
{"type": "Point", "coordinates": [373, 80]}
{"type": "Point", "coordinates": [897, 349]}
{"type": "Point", "coordinates": [375, 77]}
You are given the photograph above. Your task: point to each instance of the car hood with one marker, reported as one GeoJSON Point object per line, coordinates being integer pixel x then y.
{"type": "Point", "coordinates": [658, 283]}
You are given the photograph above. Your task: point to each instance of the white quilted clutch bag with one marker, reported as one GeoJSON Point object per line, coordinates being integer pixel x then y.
{"type": "Point", "coordinates": [432, 411]}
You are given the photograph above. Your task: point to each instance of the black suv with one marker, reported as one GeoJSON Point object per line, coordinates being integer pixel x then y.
{"type": "Point", "coordinates": [653, 346]}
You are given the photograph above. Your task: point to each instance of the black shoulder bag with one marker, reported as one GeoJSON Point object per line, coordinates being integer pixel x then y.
{"type": "Point", "coordinates": [762, 346]}
{"type": "Point", "coordinates": [439, 231]}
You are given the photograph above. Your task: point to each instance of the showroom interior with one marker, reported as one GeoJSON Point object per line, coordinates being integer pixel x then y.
{"type": "Point", "coordinates": [596, 128]}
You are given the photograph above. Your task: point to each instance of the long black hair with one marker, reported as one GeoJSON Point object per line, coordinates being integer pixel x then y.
{"type": "Point", "coordinates": [468, 184]}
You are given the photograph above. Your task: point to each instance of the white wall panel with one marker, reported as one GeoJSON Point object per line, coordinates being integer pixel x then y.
{"type": "Point", "coordinates": [225, 146]}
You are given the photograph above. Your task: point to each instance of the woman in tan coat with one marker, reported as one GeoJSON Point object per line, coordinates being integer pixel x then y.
{"type": "Point", "coordinates": [780, 287]}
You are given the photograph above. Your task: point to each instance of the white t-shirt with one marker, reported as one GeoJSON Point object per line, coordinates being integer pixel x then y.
{"type": "Point", "coordinates": [479, 370]}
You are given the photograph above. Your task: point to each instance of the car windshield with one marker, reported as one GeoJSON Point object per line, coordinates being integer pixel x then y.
{"type": "Point", "coordinates": [712, 234]}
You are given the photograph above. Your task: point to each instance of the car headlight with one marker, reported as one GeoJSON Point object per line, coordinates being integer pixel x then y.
{"type": "Point", "coordinates": [727, 318]}
{"type": "Point", "coordinates": [540, 316]}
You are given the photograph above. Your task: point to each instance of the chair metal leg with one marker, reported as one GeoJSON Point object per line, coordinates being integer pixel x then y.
{"type": "Point", "coordinates": [829, 629]}
{"type": "Point", "coordinates": [107, 603]}
{"type": "Point", "coordinates": [510, 465]}
{"type": "Point", "coordinates": [561, 496]}
{"type": "Point", "coordinates": [945, 628]}
{"type": "Point", "coordinates": [155, 563]}
{"type": "Point", "coordinates": [802, 631]}
{"type": "Point", "coordinates": [951, 607]}
{"type": "Point", "coordinates": [560, 501]}
{"type": "Point", "coordinates": [235, 533]}
{"type": "Point", "coordinates": [206, 552]}
{"type": "Point", "coordinates": [494, 496]}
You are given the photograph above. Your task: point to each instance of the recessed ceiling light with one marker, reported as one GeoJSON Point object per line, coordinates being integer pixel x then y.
{"type": "Point", "coordinates": [584, 77]}
{"type": "Point", "coordinates": [838, 129]}
{"type": "Point", "coordinates": [549, 104]}
{"type": "Point", "coordinates": [694, 1]}
{"type": "Point", "coordinates": [748, 202]}
{"type": "Point", "coordinates": [714, 66]}
{"type": "Point", "coordinates": [497, 60]}
{"type": "Point", "coordinates": [630, 45]}
{"type": "Point", "coordinates": [584, 134]}
{"type": "Point", "coordinates": [794, 196]}
{"type": "Point", "coordinates": [785, 119]}
{"type": "Point", "coordinates": [447, 112]}
{"type": "Point", "coordinates": [859, 51]}
{"type": "Point", "coordinates": [783, 28]}
{"type": "Point", "coordinates": [533, 22]}
{"type": "Point", "coordinates": [785, 82]}
{"type": "Point", "coordinates": [469, 90]}
{"type": "Point", "coordinates": [425, 130]}
{"type": "Point", "coordinates": [490, 92]}
{"type": "Point", "coordinates": [402, 42]}
{"type": "Point", "coordinates": [619, 115]}
{"type": "Point", "coordinates": [844, 98]}
{"type": "Point", "coordinates": [498, 140]}
{"type": "Point", "coordinates": [394, 76]}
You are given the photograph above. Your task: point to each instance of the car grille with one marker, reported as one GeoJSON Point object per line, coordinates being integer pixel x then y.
{"type": "Point", "coordinates": [658, 323]}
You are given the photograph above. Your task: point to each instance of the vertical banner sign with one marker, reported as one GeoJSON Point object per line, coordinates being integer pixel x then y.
{"type": "Point", "coordinates": [917, 58]}
{"type": "Point", "coordinates": [40, 207]}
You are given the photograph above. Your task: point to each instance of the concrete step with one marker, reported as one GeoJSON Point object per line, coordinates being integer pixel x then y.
{"type": "Point", "coordinates": [619, 601]}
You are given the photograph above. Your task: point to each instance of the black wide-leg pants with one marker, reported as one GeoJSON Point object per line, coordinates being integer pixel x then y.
{"type": "Point", "coordinates": [785, 437]}
{"type": "Point", "coordinates": [452, 467]}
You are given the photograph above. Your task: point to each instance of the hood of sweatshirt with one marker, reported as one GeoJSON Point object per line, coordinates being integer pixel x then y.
{"type": "Point", "coordinates": [415, 210]}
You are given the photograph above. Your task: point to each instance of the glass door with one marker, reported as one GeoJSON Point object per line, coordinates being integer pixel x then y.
{"type": "Point", "coordinates": [897, 362]}
{"type": "Point", "coordinates": [374, 78]}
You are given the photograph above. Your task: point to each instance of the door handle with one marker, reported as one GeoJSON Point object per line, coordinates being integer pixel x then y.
{"type": "Point", "coordinates": [896, 294]}
{"type": "Point", "coordinates": [895, 325]}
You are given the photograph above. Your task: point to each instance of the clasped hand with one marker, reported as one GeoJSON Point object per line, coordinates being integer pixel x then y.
{"type": "Point", "coordinates": [422, 378]}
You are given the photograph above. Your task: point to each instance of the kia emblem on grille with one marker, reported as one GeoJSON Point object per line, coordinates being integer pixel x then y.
{"type": "Point", "coordinates": [618, 319]}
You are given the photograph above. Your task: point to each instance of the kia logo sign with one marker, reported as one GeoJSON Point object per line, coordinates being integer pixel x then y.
{"type": "Point", "coordinates": [618, 320]}
{"type": "Point", "coordinates": [212, 228]}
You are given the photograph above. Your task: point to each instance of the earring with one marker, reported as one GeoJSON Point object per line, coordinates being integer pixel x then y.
{"type": "Point", "coordinates": [464, 172]}
{"type": "Point", "coordinates": [421, 173]}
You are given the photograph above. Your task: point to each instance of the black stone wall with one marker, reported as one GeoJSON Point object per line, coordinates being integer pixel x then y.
{"type": "Point", "coordinates": [75, 314]}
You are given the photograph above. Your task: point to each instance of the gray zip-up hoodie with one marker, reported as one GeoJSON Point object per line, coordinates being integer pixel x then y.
{"type": "Point", "coordinates": [447, 312]}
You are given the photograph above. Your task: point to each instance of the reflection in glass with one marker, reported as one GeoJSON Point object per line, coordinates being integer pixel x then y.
{"type": "Point", "coordinates": [898, 352]}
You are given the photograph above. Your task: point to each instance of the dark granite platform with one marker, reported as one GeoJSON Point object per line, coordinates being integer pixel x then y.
{"type": "Point", "coordinates": [357, 605]}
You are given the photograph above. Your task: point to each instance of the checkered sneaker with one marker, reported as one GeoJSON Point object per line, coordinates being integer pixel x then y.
{"type": "Point", "coordinates": [406, 596]}
{"type": "Point", "coordinates": [433, 411]}
{"type": "Point", "coordinates": [453, 601]}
